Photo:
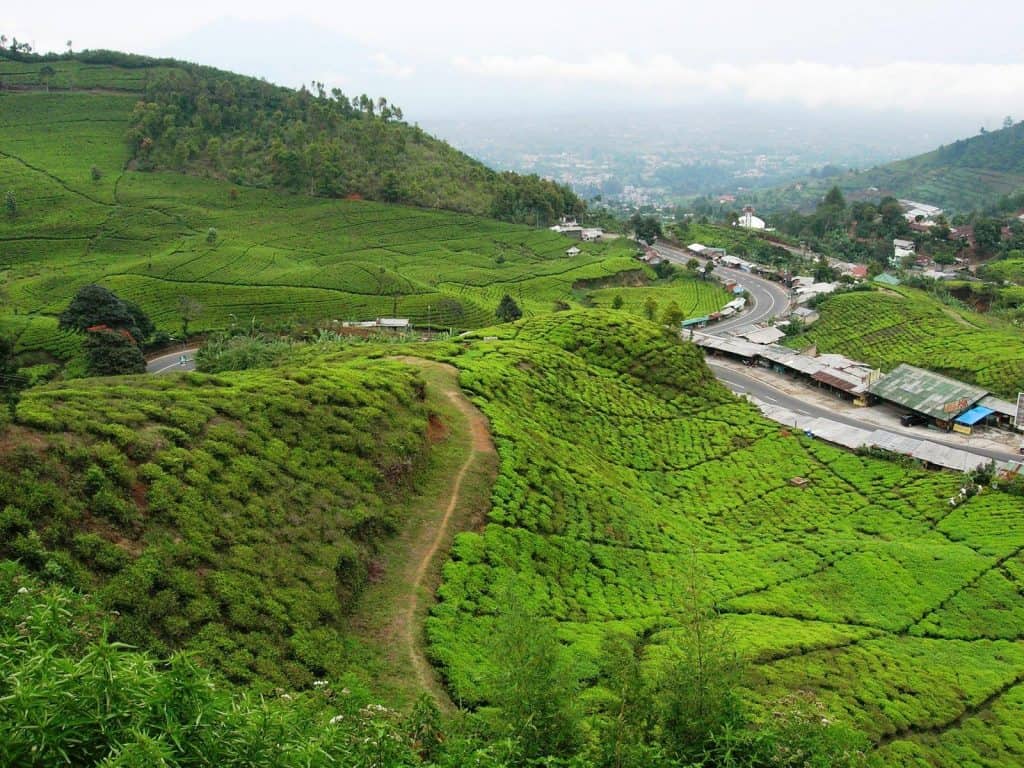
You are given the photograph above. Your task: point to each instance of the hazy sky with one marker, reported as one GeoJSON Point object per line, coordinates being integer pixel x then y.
{"type": "Point", "coordinates": [449, 57]}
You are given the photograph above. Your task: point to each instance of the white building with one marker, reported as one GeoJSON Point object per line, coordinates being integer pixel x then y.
{"type": "Point", "coordinates": [749, 221]}
{"type": "Point", "coordinates": [574, 251]}
{"type": "Point", "coordinates": [914, 211]}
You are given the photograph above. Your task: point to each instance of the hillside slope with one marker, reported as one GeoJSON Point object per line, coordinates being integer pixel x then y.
{"type": "Point", "coordinates": [208, 122]}
{"type": "Point", "coordinates": [271, 258]}
{"type": "Point", "coordinates": [235, 516]}
{"type": "Point", "coordinates": [969, 174]}
{"type": "Point", "coordinates": [628, 475]}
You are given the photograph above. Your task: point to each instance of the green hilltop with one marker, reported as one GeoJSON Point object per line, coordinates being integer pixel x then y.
{"type": "Point", "coordinates": [86, 212]}
{"type": "Point", "coordinates": [208, 122]}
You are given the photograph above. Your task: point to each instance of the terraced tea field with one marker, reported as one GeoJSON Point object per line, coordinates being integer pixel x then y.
{"type": "Point", "coordinates": [695, 298]}
{"type": "Point", "coordinates": [272, 259]}
{"type": "Point", "coordinates": [886, 329]}
{"type": "Point", "coordinates": [626, 470]}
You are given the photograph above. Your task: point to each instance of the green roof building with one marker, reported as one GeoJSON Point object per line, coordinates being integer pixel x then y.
{"type": "Point", "coordinates": [925, 392]}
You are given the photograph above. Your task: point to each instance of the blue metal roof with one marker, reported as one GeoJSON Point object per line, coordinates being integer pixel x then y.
{"type": "Point", "coordinates": [973, 416]}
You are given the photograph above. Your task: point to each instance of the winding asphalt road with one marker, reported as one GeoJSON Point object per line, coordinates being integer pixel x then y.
{"type": "Point", "coordinates": [172, 361]}
{"type": "Point", "coordinates": [772, 300]}
{"type": "Point", "coordinates": [769, 299]}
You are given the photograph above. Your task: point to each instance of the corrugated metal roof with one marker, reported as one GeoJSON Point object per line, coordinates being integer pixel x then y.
{"type": "Point", "coordinates": [764, 335]}
{"type": "Point", "coordinates": [839, 380]}
{"type": "Point", "coordinates": [1001, 407]}
{"type": "Point", "coordinates": [926, 392]}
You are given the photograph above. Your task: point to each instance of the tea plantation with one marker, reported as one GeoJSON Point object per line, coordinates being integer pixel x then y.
{"type": "Point", "coordinates": [218, 514]}
{"type": "Point", "coordinates": [907, 326]}
{"type": "Point", "coordinates": [240, 517]}
{"type": "Point", "coordinates": [626, 469]}
{"type": "Point", "coordinates": [247, 255]}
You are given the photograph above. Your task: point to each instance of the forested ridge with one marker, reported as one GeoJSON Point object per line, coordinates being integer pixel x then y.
{"type": "Point", "coordinates": [974, 173]}
{"type": "Point", "coordinates": [209, 122]}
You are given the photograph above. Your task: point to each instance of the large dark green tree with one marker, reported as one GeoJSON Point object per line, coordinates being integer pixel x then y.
{"type": "Point", "coordinates": [508, 311]}
{"type": "Point", "coordinates": [114, 330]}
{"type": "Point", "coordinates": [95, 305]}
{"type": "Point", "coordinates": [112, 353]}
{"type": "Point", "coordinates": [987, 234]}
{"type": "Point", "coordinates": [646, 228]}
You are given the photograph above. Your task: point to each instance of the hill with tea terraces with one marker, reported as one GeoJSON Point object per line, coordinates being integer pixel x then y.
{"type": "Point", "coordinates": [972, 173]}
{"type": "Point", "coordinates": [101, 194]}
{"type": "Point", "coordinates": [236, 516]}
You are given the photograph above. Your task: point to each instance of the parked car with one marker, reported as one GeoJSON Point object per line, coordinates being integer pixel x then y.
{"type": "Point", "coordinates": [913, 419]}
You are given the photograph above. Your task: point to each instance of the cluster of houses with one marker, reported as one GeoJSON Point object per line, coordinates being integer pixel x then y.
{"type": "Point", "coordinates": [903, 249]}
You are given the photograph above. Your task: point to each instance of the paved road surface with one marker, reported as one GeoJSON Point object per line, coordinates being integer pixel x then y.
{"type": "Point", "coordinates": [743, 384]}
{"type": "Point", "coordinates": [171, 362]}
{"type": "Point", "coordinates": [769, 299]}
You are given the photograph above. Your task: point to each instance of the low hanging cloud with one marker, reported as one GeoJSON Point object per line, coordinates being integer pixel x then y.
{"type": "Point", "coordinates": [389, 67]}
{"type": "Point", "coordinates": [910, 85]}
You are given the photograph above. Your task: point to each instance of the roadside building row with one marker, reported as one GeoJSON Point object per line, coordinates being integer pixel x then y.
{"type": "Point", "coordinates": [848, 436]}
{"type": "Point", "coordinates": [925, 396]}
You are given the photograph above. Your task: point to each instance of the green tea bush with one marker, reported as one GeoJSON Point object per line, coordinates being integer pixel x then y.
{"type": "Point", "coordinates": [217, 507]}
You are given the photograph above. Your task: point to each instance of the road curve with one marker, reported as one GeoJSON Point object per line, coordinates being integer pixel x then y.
{"type": "Point", "coordinates": [769, 299]}
{"type": "Point", "coordinates": [772, 300]}
{"type": "Point", "coordinates": [172, 361]}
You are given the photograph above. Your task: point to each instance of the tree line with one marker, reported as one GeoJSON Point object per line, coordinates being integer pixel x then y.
{"type": "Point", "coordinates": [323, 143]}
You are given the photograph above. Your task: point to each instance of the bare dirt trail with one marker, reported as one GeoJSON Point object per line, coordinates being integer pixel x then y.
{"type": "Point", "coordinates": [422, 568]}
